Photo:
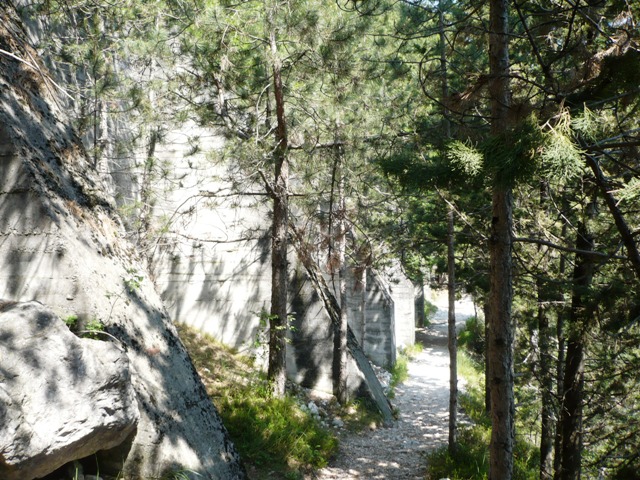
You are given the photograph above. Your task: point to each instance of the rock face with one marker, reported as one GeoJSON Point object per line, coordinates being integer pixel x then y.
{"type": "Point", "coordinates": [61, 398]}
{"type": "Point", "coordinates": [61, 243]}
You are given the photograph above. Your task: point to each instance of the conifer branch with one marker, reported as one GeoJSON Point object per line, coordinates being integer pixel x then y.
{"type": "Point", "coordinates": [555, 246]}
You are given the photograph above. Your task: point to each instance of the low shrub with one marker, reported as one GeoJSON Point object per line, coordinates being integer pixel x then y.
{"type": "Point", "coordinates": [430, 311]}
{"type": "Point", "coordinates": [471, 337]}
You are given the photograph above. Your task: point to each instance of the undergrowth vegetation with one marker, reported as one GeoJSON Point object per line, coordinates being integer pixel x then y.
{"type": "Point", "coordinates": [274, 436]}
{"type": "Point", "coordinates": [400, 370]}
{"type": "Point", "coordinates": [471, 459]}
{"type": "Point", "coordinates": [430, 311]}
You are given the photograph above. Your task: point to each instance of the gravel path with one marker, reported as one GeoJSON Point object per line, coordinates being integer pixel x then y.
{"type": "Point", "coordinates": [398, 452]}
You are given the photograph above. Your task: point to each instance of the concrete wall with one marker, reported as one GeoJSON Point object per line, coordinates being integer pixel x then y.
{"type": "Point", "coordinates": [403, 293]}
{"type": "Point", "coordinates": [213, 268]}
{"type": "Point", "coordinates": [377, 334]}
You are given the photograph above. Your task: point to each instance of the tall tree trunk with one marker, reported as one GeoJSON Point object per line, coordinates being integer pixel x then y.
{"type": "Point", "coordinates": [500, 341]}
{"type": "Point", "coordinates": [340, 334]}
{"type": "Point", "coordinates": [544, 362]}
{"type": "Point", "coordinates": [451, 262]}
{"type": "Point", "coordinates": [560, 334]}
{"type": "Point", "coordinates": [453, 344]}
{"type": "Point", "coordinates": [572, 404]}
{"type": "Point", "coordinates": [557, 459]}
{"type": "Point", "coordinates": [546, 386]}
{"type": "Point", "coordinates": [278, 322]}
{"type": "Point", "coordinates": [487, 368]}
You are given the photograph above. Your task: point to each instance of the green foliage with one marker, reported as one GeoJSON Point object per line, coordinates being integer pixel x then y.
{"type": "Point", "coordinates": [513, 156]}
{"type": "Point", "coordinates": [93, 328]}
{"type": "Point", "coordinates": [630, 192]}
{"type": "Point", "coordinates": [133, 280]}
{"type": "Point", "coordinates": [472, 399]}
{"type": "Point", "coordinates": [465, 157]}
{"type": "Point", "coordinates": [471, 337]}
{"type": "Point", "coordinates": [274, 432]}
{"type": "Point", "coordinates": [471, 459]}
{"type": "Point", "coordinates": [518, 154]}
{"type": "Point", "coordinates": [412, 351]}
{"type": "Point", "coordinates": [360, 414]}
{"type": "Point", "coordinates": [400, 370]}
{"type": "Point", "coordinates": [71, 321]}
{"type": "Point", "coordinates": [429, 312]}
{"type": "Point", "coordinates": [271, 434]}
{"type": "Point", "coordinates": [470, 462]}
{"type": "Point", "coordinates": [261, 339]}
{"type": "Point", "coordinates": [589, 124]}
{"type": "Point", "coordinates": [561, 157]}
{"type": "Point", "coordinates": [90, 329]}
{"type": "Point", "coordinates": [399, 373]}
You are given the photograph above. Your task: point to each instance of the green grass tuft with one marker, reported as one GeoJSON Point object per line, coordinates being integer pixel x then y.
{"type": "Point", "coordinates": [275, 432]}
{"type": "Point", "coordinates": [274, 436]}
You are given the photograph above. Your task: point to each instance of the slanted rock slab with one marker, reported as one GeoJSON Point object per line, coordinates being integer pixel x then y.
{"type": "Point", "coordinates": [61, 397]}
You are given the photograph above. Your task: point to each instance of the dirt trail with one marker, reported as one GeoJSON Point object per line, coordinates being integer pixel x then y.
{"type": "Point", "coordinates": [423, 403]}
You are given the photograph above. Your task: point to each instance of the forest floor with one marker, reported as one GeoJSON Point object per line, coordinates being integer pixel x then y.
{"type": "Point", "coordinates": [422, 401]}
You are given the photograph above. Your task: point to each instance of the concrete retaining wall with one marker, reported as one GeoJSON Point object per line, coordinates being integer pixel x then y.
{"type": "Point", "coordinates": [213, 270]}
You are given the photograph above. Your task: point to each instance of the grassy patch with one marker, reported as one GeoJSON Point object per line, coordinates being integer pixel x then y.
{"type": "Point", "coordinates": [275, 433]}
{"type": "Point", "coordinates": [430, 311]}
{"type": "Point", "coordinates": [472, 338]}
{"type": "Point", "coordinates": [412, 351]}
{"type": "Point", "coordinates": [274, 436]}
{"type": "Point", "coordinates": [471, 460]}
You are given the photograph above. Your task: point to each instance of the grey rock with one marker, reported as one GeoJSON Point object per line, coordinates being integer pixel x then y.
{"type": "Point", "coordinates": [61, 397]}
{"type": "Point", "coordinates": [313, 409]}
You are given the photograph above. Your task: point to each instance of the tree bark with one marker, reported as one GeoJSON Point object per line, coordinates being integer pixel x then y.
{"type": "Point", "coordinates": [560, 334]}
{"type": "Point", "coordinates": [278, 322]}
{"type": "Point", "coordinates": [452, 341]}
{"type": "Point", "coordinates": [487, 368]}
{"type": "Point", "coordinates": [500, 341]}
{"type": "Point", "coordinates": [572, 404]}
{"type": "Point", "coordinates": [340, 336]}
{"type": "Point", "coordinates": [451, 263]}
{"type": "Point", "coordinates": [544, 361]}
{"type": "Point", "coordinates": [546, 385]}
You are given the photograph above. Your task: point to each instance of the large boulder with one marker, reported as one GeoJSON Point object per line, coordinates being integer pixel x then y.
{"type": "Point", "coordinates": [62, 398]}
